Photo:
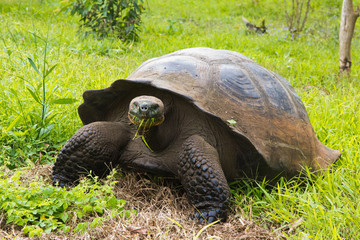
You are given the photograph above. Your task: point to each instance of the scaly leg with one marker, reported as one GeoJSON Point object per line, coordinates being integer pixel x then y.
{"type": "Point", "coordinates": [201, 175]}
{"type": "Point", "coordinates": [93, 148]}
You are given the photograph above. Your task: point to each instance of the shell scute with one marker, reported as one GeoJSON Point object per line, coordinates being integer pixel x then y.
{"type": "Point", "coordinates": [236, 84]}
{"type": "Point", "coordinates": [173, 64]}
{"type": "Point", "coordinates": [272, 89]}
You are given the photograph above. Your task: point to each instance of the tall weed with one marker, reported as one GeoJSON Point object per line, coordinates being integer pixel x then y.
{"type": "Point", "coordinates": [42, 92]}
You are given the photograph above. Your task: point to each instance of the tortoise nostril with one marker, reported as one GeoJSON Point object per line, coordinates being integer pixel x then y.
{"type": "Point", "coordinates": [144, 107]}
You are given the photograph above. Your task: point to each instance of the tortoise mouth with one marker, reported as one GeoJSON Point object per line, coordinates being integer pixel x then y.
{"type": "Point", "coordinates": [146, 112]}
{"type": "Point", "coordinates": [146, 122]}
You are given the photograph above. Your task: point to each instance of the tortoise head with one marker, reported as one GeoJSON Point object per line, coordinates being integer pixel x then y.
{"type": "Point", "coordinates": [146, 112]}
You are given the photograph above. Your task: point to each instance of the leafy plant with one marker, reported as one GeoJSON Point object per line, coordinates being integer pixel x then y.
{"type": "Point", "coordinates": [296, 14]}
{"type": "Point", "coordinates": [20, 148]}
{"type": "Point", "coordinates": [41, 94]}
{"type": "Point", "coordinates": [40, 207]}
{"type": "Point", "coordinates": [117, 18]}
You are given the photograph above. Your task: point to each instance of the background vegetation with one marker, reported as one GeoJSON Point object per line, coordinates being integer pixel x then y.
{"type": "Point", "coordinates": [116, 18]}
{"type": "Point", "coordinates": [45, 66]}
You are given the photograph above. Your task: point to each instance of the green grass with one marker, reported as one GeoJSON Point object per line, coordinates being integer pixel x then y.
{"type": "Point", "coordinates": [327, 205]}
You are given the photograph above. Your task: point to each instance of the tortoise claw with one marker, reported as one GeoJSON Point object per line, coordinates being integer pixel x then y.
{"type": "Point", "coordinates": [210, 215]}
{"type": "Point", "coordinates": [61, 181]}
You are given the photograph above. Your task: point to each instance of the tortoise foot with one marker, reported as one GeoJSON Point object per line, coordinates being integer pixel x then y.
{"type": "Point", "coordinates": [62, 181]}
{"type": "Point", "coordinates": [92, 150]}
{"type": "Point", "coordinates": [203, 179]}
{"type": "Point", "coordinates": [210, 214]}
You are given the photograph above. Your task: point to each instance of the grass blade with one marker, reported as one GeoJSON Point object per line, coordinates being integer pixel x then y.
{"type": "Point", "coordinates": [64, 101]}
{"type": "Point", "coordinates": [13, 123]}
{"type": "Point", "coordinates": [203, 229]}
{"type": "Point", "coordinates": [50, 70]}
{"type": "Point", "coordinates": [33, 94]}
{"type": "Point", "coordinates": [174, 221]}
{"type": "Point", "coordinates": [34, 66]}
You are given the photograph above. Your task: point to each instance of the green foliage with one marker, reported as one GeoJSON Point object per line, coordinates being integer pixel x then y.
{"type": "Point", "coordinates": [20, 148]}
{"type": "Point", "coordinates": [39, 207]}
{"type": "Point", "coordinates": [116, 18]}
{"type": "Point", "coordinates": [41, 93]}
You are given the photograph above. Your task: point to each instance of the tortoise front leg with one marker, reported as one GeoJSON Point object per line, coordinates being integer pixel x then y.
{"type": "Point", "coordinates": [201, 175]}
{"type": "Point", "coordinates": [93, 148]}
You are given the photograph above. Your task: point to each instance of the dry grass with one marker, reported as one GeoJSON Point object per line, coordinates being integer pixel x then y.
{"type": "Point", "coordinates": [163, 213]}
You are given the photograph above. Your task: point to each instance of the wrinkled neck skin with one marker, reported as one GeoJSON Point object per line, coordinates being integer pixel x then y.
{"type": "Point", "coordinates": [181, 121]}
{"type": "Point", "coordinates": [163, 140]}
{"type": "Point", "coordinates": [160, 137]}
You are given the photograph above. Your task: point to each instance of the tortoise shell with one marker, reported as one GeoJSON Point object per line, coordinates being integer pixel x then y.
{"type": "Point", "coordinates": [253, 101]}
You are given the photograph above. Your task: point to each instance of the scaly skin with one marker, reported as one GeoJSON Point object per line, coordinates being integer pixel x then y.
{"type": "Point", "coordinates": [94, 148]}
{"type": "Point", "coordinates": [203, 179]}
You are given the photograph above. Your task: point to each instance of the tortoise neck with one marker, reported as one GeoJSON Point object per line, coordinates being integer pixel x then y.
{"type": "Point", "coordinates": [161, 136]}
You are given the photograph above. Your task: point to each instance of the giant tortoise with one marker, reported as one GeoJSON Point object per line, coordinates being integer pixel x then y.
{"type": "Point", "coordinates": [205, 116]}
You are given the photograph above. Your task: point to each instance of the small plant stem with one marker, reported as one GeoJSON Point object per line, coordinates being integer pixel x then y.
{"type": "Point", "coordinates": [137, 131]}
{"type": "Point", "coordinates": [143, 131]}
{"type": "Point", "coordinates": [144, 140]}
{"type": "Point", "coordinates": [43, 84]}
